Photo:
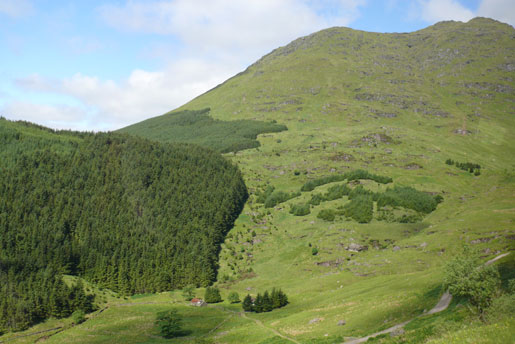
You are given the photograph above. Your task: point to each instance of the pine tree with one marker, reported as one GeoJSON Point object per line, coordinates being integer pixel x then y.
{"type": "Point", "coordinates": [267, 302]}
{"type": "Point", "coordinates": [247, 303]}
{"type": "Point", "coordinates": [258, 304]}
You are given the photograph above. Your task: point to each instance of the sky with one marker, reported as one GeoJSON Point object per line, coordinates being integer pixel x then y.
{"type": "Point", "coordinates": [100, 65]}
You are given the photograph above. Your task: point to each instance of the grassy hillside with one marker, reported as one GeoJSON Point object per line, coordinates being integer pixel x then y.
{"type": "Point", "coordinates": [397, 106]}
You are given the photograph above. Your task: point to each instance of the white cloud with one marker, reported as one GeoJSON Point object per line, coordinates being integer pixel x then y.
{"type": "Point", "coordinates": [438, 10]}
{"type": "Point", "coordinates": [502, 10]}
{"type": "Point", "coordinates": [16, 8]}
{"type": "Point", "coordinates": [226, 27]}
{"type": "Point", "coordinates": [111, 105]}
{"type": "Point", "coordinates": [54, 116]}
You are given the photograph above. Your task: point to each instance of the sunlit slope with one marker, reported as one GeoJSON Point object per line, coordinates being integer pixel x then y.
{"type": "Point", "coordinates": [398, 105]}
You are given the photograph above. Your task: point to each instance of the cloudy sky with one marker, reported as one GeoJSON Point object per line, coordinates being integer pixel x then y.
{"type": "Point", "coordinates": [101, 64]}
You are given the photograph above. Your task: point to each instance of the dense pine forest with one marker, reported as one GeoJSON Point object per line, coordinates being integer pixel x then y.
{"type": "Point", "coordinates": [123, 212]}
{"type": "Point", "coordinates": [198, 127]}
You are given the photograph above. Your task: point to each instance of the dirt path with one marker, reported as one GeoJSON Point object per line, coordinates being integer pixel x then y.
{"type": "Point", "coordinates": [259, 323]}
{"type": "Point", "coordinates": [442, 305]}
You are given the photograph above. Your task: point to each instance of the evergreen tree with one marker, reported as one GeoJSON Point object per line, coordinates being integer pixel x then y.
{"type": "Point", "coordinates": [247, 303]}
{"type": "Point", "coordinates": [267, 302]}
{"type": "Point", "coordinates": [258, 304]}
{"type": "Point", "coordinates": [212, 295]}
{"type": "Point", "coordinates": [234, 297]}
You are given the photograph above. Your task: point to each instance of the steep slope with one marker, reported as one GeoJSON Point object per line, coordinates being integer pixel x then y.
{"type": "Point", "coordinates": [398, 105]}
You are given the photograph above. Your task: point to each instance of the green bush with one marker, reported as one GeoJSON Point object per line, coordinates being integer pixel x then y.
{"type": "Point", "coordinates": [466, 276]}
{"type": "Point", "coordinates": [169, 323]}
{"type": "Point", "coordinates": [78, 317]}
{"type": "Point", "coordinates": [279, 197]}
{"type": "Point", "coordinates": [300, 209]}
{"type": "Point", "coordinates": [212, 295]}
{"type": "Point", "coordinates": [233, 297]}
{"type": "Point", "coordinates": [409, 198]}
{"type": "Point", "coordinates": [326, 214]}
{"type": "Point", "coordinates": [360, 208]}
{"type": "Point", "coordinates": [349, 176]}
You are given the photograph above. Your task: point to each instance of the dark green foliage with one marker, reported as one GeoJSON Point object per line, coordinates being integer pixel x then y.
{"type": "Point", "coordinates": [169, 323]}
{"type": "Point", "coordinates": [349, 176]}
{"type": "Point", "coordinates": [266, 302]}
{"type": "Point", "coordinates": [263, 195]}
{"type": "Point", "coordinates": [360, 208]}
{"type": "Point", "coordinates": [316, 199]}
{"type": "Point", "coordinates": [407, 197]}
{"type": "Point", "coordinates": [247, 303]}
{"type": "Point", "coordinates": [125, 213]}
{"type": "Point", "coordinates": [199, 128]}
{"type": "Point", "coordinates": [466, 166]}
{"type": "Point", "coordinates": [326, 214]}
{"type": "Point", "coordinates": [300, 209]}
{"type": "Point", "coordinates": [78, 317]}
{"type": "Point", "coordinates": [336, 192]}
{"type": "Point", "coordinates": [188, 292]}
{"type": "Point", "coordinates": [314, 251]}
{"type": "Point", "coordinates": [279, 197]}
{"type": "Point", "coordinates": [212, 295]}
{"type": "Point", "coordinates": [233, 297]}
{"type": "Point", "coordinates": [466, 276]}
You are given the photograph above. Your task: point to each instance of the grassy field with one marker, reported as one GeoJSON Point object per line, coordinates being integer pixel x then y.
{"type": "Point", "coordinates": [397, 105]}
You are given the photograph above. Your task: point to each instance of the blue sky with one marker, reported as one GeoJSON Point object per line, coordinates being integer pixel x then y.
{"type": "Point", "coordinates": [101, 65]}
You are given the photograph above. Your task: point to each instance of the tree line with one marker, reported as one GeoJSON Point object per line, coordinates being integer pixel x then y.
{"type": "Point", "coordinates": [266, 302]}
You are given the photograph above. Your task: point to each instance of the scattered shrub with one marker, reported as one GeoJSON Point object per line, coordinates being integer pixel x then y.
{"type": "Point", "coordinates": [360, 209]}
{"type": "Point", "coordinates": [300, 209]}
{"type": "Point", "coordinates": [349, 176]}
{"type": "Point", "coordinates": [326, 214]}
{"type": "Point", "coordinates": [233, 297]}
{"type": "Point", "coordinates": [78, 317]}
{"type": "Point", "coordinates": [279, 197]}
{"type": "Point", "coordinates": [212, 295]}
{"type": "Point", "coordinates": [169, 323]}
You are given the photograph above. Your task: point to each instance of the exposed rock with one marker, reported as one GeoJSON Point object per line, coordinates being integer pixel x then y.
{"type": "Point", "coordinates": [396, 248]}
{"type": "Point", "coordinates": [462, 132]}
{"type": "Point", "coordinates": [314, 321]}
{"type": "Point", "coordinates": [353, 247]}
{"type": "Point", "coordinates": [423, 245]}
{"type": "Point", "coordinates": [342, 157]}
{"type": "Point", "coordinates": [341, 322]}
{"type": "Point", "coordinates": [412, 166]}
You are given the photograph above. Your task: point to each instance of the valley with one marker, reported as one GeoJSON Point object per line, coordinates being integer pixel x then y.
{"type": "Point", "coordinates": [395, 107]}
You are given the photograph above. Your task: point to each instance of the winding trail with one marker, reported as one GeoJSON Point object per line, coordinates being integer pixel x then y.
{"type": "Point", "coordinates": [442, 305]}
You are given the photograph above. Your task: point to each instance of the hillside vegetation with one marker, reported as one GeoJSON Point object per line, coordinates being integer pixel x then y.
{"type": "Point", "coordinates": [124, 213]}
{"type": "Point", "coordinates": [394, 107]}
{"type": "Point", "coordinates": [196, 126]}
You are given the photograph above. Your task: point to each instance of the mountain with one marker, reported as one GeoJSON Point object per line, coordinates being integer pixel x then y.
{"type": "Point", "coordinates": [397, 105]}
{"type": "Point", "coordinates": [398, 153]}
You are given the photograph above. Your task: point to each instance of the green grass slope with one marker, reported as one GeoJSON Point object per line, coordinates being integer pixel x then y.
{"type": "Point", "coordinates": [396, 105]}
